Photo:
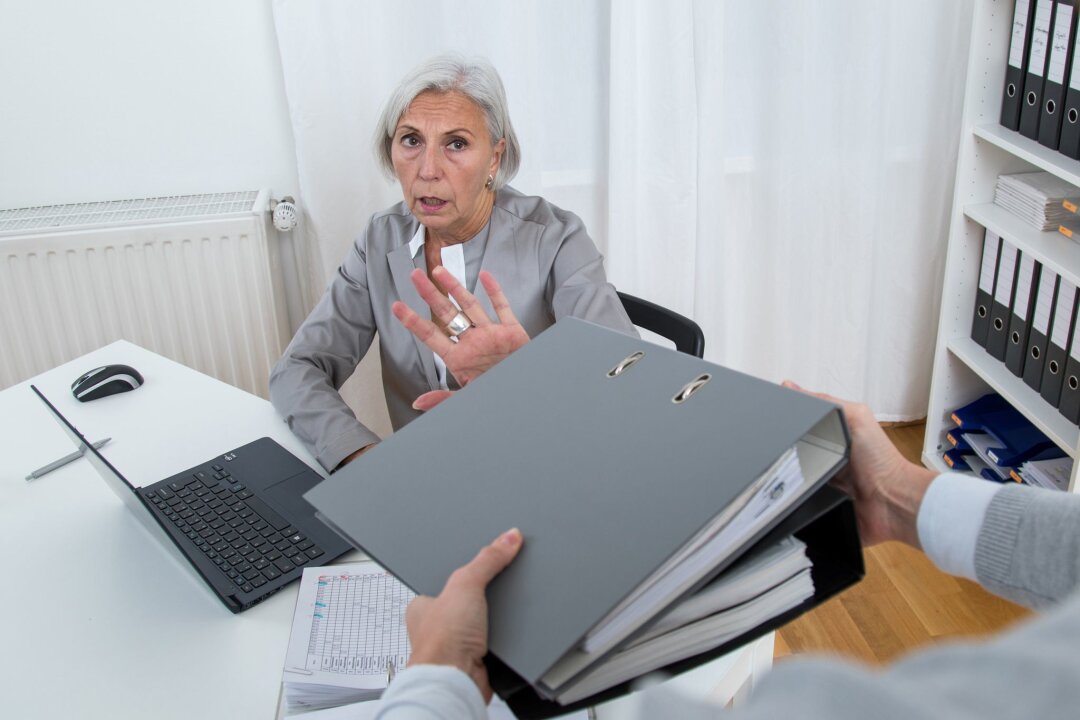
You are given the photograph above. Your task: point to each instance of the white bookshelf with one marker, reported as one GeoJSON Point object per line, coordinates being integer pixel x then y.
{"type": "Point", "coordinates": [963, 370]}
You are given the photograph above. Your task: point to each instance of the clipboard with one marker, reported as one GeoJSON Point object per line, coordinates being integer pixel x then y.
{"type": "Point", "coordinates": [610, 454]}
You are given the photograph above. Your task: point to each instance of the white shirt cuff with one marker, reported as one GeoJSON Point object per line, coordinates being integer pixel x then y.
{"type": "Point", "coordinates": [432, 691]}
{"type": "Point", "coordinates": [949, 520]}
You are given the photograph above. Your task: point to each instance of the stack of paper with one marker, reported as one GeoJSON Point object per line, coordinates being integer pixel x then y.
{"type": "Point", "coordinates": [348, 632]}
{"type": "Point", "coordinates": [1052, 474]}
{"type": "Point", "coordinates": [1036, 198]}
{"type": "Point", "coordinates": [761, 586]}
{"type": "Point", "coordinates": [777, 488]}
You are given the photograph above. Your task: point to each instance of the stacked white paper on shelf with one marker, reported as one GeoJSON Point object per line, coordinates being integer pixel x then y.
{"type": "Point", "coordinates": [1036, 198]}
{"type": "Point", "coordinates": [1052, 474]}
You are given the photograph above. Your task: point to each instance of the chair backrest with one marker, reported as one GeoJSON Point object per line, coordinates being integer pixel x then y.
{"type": "Point", "coordinates": [684, 332]}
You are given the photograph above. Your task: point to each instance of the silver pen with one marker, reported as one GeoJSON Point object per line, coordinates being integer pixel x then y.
{"type": "Point", "coordinates": [62, 461]}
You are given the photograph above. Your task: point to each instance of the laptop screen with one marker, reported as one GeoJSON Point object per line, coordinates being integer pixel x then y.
{"type": "Point", "coordinates": [111, 475]}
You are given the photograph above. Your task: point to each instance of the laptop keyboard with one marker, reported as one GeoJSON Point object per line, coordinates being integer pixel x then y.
{"type": "Point", "coordinates": [240, 533]}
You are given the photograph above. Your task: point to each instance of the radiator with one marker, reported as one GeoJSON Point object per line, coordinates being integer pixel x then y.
{"type": "Point", "coordinates": [194, 278]}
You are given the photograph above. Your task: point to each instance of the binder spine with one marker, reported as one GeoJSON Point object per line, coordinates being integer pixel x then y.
{"type": "Point", "coordinates": [980, 321]}
{"type": "Point", "coordinates": [1070, 391]}
{"type": "Point", "coordinates": [1023, 309]}
{"type": "Point", "coordinates": [1035, 73]}
{"type": "Point", "coordinates": [1004, 291]}
{"type": "Point", "coordinates": [1058, 345]}
{"type": "Point", "coordinates": [1019, 50]}
{"type": "Point", "coordinates": [1040, 327]}
{"type": "Point", "coordinates": [1058, 68]}
{"type": "Point", "coordinates": [1069, 142]}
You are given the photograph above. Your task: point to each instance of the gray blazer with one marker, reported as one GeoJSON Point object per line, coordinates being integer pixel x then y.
{"type": "Point", "coordinates": [543, 258]}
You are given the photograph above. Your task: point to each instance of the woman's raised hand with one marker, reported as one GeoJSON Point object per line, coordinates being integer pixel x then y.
{"type": "Point", "coordinates": [482, 345]}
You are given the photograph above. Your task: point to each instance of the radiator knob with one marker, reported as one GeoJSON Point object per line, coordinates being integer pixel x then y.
{"type": "Point", "coordinates": [285, 215]}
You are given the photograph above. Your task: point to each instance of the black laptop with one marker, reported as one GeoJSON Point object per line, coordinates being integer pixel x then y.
{"type": "Point", "coordinates": [238, 519]}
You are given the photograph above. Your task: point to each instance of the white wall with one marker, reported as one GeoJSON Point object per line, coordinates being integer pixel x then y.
{"type": "Point", "coordinates": [137, 98]}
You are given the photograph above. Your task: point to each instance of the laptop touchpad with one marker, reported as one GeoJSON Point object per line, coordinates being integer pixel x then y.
{"type": "Point", "coordinates": [288, 493]}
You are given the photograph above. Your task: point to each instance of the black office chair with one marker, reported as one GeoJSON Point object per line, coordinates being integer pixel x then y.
{"type": "Point", "coordinates": [684, 332]}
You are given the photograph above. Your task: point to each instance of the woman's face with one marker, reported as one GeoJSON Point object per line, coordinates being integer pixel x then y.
{"type": "Point", "coordinates": [443, 156]}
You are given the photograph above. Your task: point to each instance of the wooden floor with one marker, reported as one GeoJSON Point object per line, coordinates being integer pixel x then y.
{"type": "Point", "coordinates": [903, 603]}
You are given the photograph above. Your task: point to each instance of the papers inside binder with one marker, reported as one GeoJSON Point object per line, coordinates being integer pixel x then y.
{"type": "Point", "coordinates": [760, 586]}
{"type": "Point", "coordinates": [773, 492]}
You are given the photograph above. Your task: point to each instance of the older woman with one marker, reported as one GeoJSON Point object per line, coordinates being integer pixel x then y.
{"type": "Point", "coordinates": [445, 135]}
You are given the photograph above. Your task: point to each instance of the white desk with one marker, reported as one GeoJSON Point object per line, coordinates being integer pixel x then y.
{"type": "Point", "coordinates": [96, 619]}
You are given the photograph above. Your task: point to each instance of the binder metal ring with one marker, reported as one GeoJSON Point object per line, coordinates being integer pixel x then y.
{"type": "Point", "coordinates": [1054, 367]}
{"type": "Point", "coordinates": [690, 388]}
{"type": "Point", "coordinates": [1050, 107]}
{"type": "Point", "coordinates": [1015, 338]}
{"type": "Point", "coordinates": [998, 324]}
{"type": "Point", "coordinates": [1073, 115]}
{"type": "Point", "coordinates": [1032, 99]}
{"type": "Point", "coordinates": [1034, 352]}
{"type": "Point", "coordinates": [1074, 383]}
{"type": "Point", "coordinates": [1010, 90]}
{"type": "Point", "coordinates": [982, 311]}
{"type": "Point", "coordinates": [625, 364]}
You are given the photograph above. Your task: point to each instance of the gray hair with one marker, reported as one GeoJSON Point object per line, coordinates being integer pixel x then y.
{"type": "Point", "coordinates": [477, 80]}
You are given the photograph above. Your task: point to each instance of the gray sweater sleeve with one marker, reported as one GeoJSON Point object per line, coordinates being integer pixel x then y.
{"type": "Point", "coordinates": [1029, 545]}
{"type": "Point", "coordinates": [1029, 551]}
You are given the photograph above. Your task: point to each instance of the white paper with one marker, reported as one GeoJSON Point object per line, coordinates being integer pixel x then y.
{"type": "Point", "coordinates": [1063, 316]}
{"type": "Point", "coordinates": [348, 627]}
{"type": "Point", "coordinates": [989, 261]}
{"type": "Point", "coordinates": [1040, 38]}
{"type": "Point", "coordinates": [1019, 34]}
{"type": "Point", "coordinates": [1006, 269]}
{"type": "Point", "coordinates": [1045, 300]}
{"type": "Point", "coordinates": [1059, 48]}
{"type": "Point", "coordinates": [1023, 286]}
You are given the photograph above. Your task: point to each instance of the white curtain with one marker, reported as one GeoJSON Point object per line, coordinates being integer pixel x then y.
{"type": "Point", "coordinates": [780, 171]}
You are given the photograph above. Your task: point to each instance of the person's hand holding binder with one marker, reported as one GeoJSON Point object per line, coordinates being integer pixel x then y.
{"type": "Point", "coordinates": [886, 487]}
{"type": "Point", "coordinates": [452, 629]}
{"type": "Point", "coordinates": [482, 344]}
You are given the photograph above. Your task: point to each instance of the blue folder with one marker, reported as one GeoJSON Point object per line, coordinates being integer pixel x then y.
{"type": "Point", "coordinates": [1018, 440]}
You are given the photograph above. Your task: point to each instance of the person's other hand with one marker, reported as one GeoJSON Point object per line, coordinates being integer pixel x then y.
{"type": "Point", "coordinates": [887, 488]}
{"type": "Point", "coordinates": [452, 629]}
{"type": "Point", "coordinates": [480, 347]}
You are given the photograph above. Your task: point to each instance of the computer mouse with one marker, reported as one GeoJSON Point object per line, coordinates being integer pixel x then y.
{"type": "Point", "coordinates": [104, 381]}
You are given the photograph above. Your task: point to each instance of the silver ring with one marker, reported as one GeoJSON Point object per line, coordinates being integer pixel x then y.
{"type": "Point", "coordinates": [458, 325]}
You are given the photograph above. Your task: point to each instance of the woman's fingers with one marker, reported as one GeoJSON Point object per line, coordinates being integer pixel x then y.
{"type": "Point", "coordinates": [430, 399]}
{"type": "Point", "coordinates": [498, 301]}
{"type": "Point", "coordinates": [465, 299]}
{"type": "Point", "coordinates": [441, 307]}
{"type": "Point", "coordinates": [427, 331]}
